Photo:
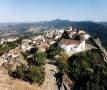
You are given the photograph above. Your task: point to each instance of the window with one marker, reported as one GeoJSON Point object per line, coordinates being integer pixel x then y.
{"type": "Point", "coordinates": [75, 46]}
{"type": "Point", "coordinates": [71, 48]}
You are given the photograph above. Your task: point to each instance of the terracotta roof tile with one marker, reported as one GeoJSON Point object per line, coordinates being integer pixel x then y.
{"type": "Point", "coordinates": [70, 42]}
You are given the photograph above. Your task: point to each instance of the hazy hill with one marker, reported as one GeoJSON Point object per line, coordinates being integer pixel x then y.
{"type": "Point", "coordinates": [103, 23]}
{"type": "Point", "coordinates": [93, 28]}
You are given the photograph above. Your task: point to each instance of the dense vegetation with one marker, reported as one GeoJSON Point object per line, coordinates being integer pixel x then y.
{"type": "Point", "coordinates": [65, 35]}
{"type": "Point", "coordinates": [9, 45]}
{"type": "Point", "coordinates": [87, 70]}
{"type": "Point", "coordinates": [34, 71]}
{"type": "Point", "coordinates": [53, 51]}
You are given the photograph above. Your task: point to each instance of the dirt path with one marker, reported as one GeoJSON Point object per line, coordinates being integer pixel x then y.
{"type": "Point", "coordinates": [50, 80]}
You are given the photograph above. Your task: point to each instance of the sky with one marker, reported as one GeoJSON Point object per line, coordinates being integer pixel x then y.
{"type": "Point", "coordinates": [45, 10]}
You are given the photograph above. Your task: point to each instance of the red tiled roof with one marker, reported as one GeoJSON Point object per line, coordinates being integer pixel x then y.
{"type": "Point", "coordinates": [70, 42]}
{"type": "Point", "coordinates": [44, 45]}
{"type": "Point", "coordinates": [15, 51]}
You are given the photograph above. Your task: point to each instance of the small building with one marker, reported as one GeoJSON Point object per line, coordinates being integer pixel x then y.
{"type": "Point", "coordinates": [26, 47]}
{"type": "Point", "coordinates": [72, 46]}
{"type": "Point", "coordinates": [27, 41]}
{"type": "Point", "coordinates": [50, 41]}
{"type": "Point", "coordinates": [12, 54]}
{"type": "Point", "coordinates": [43, 46]}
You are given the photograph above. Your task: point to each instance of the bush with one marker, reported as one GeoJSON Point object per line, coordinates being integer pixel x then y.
{"type": "Point", "coordinates": [53, 51]}
{"type": "Point", "coordinates": [35, 74]}
{"type": "Point", "coordinates": [37, 59]}
{"type": "Point", "coordinates": [88, 70]}
{"type": "Point", "coordinates": [62, 60]}
{"type": "Point", "coordinates": [32, 74]}
{"type": "Point", "coordinates": [19, 73]}
{"type": "Point", "coordinates": [5, 47]}
{"type": "Point", "coordinates": [65, 35]}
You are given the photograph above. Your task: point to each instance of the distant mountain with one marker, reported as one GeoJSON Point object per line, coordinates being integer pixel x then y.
{"type": "Point", "coordinates": [103, 23]}
{"type": "Point", "coordinates": [9, 27]}
{"type": "Point", "coordinates": [93, 28]}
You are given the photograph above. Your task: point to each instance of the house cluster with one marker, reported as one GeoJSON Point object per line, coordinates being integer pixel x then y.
{"type": "Point", "coordinates": [10, 39]}
{"type": "Point", "coordinates": [58, 33]}
{"type": "Point", "coordinates": [12, 54]}
{"type": "Point", "coordinates": [42, 42]}
{"type": "Point", "coordinates": [75, 43]}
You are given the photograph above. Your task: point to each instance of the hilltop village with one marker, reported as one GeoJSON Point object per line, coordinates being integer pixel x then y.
{"type": "Point", "coordinates": [55, 60]}
{"type": "Point", "coordinates": [77, 42]}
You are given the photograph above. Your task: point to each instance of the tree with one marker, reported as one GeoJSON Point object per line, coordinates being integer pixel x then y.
{"type": "Point", "coordinates": [34, 74]}
{"type": "Point", "coordinates": [37, 59]}
{"type": "Point", "coordinates": [87, 74]}
{"type": "Point", "coordinates": [62, 59]}
{"type": "Point", "coordinates": [19, 73]}
{"type": "Point", "coordinates": [53, 51]}
{"type": "Point", "coordinates": [65, 35]}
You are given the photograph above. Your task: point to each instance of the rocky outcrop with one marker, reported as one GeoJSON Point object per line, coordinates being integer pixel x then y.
{"type": "Point", "coordinates": [50, 79]}
{"type": "Point", "coordinates": [9, 83]}
{"type": "Point", "coordinates": [66, 82]}
{"type": "Point", "coordinates": [104, 52]}
{"type": "Point", "coordinates": [54, 79]}
{"type": "Point", "coordinates": [11, 65]}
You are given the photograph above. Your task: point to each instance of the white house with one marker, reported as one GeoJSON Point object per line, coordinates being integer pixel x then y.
{"type": "Point", "coordinates": [72, 46]}
{"type": "Point", "coordinates": [12, 39]}
{"type": "Point", "coordinates": [27, 41]}
{"type": "Point", "coordinates": [43, 46]}
{"type": "Point", "coordinates": [26, 47]}
{"type": "Point", "coordinates": [14, 53]}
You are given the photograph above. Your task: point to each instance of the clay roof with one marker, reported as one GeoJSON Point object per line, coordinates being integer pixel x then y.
{"type": "Point", "coordinates": [44, 45]}
{"type": "Point", "coordinates": [70, 42]}
{"type": "Point", "coordinates": [15, 51]}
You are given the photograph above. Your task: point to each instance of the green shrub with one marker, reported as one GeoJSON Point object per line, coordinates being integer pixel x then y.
{"type": "Point", "coordinates": [37, 59]}
{"type": "Point", "coordinates": [32, 74]}
{"type": "Point", "coordinates": [88, 70]}
{"type": "Point", "coordinates": [53, 51]}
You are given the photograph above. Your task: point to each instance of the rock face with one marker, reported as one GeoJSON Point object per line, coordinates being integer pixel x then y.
{"type": "Point", "coordinates": [53, 79]}
{"type": "Point", "coordinates": [11, 65]}
{"type": "Point", "coordinates": [66, 83]}
{"type": "Point", "coordinates": [50, 80]}
{"type": "Point", "coordinates": [9, 83]}
{"type": "Point", "coordinates": [104, 52]}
